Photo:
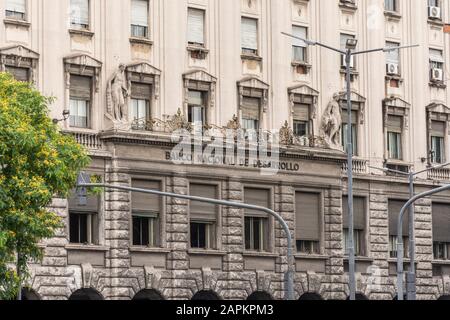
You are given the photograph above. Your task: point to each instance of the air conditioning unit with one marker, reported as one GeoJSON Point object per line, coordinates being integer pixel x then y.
{"type": "Point", "coordinates": [437, 74]}
{"type": "Point", "coordinates": [343, 64]}
{"type": "Point", "coordinates": [392, 68]}
{"type": "Point", "coordinates": [434, 12]}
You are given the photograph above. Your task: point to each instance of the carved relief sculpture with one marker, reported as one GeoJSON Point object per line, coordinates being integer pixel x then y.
{"type": "Point", "coordinates": [331, 124]}
{"type": "Point", "coordinates": [117, 92]}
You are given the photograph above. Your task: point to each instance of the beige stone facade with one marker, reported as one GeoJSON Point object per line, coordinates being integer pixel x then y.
{"type": "Point", "coordinates": [62, 48]}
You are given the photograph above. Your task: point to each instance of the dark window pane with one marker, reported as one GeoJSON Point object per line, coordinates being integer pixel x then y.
{"type": "Point", "coordinates": [137, 231]}
{"type": "Point", "coordinates": [256, 234]}
{"type": "Point", "coordinates": [83, 228]}
{"type": "Point", "coordinates": [300, 128]}
{"type": "Point", "coordinates": [247, 233]}
{"type": "Point", "coordinates": [74, 225]}
{"type": "Point", "coordinates": [145, 231]}
{"type": "Point", "coordinates": [198, 235]}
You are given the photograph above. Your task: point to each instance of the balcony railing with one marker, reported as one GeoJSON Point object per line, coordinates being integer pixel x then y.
{"type": "Point", "coordinates": [359, 166]}
{"type": "Point", "coordinates": [442, 174]}
{"type": "Point", "coordinates": [91, 141]}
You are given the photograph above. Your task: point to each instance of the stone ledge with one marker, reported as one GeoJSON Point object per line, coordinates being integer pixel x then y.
{"type": "Point", "coordinates": [149, 250]}
{"type": "Point", "coordinates": [80, 32]}
{"type": "Point", "coordinates": [81, 247]}
{"type": "Point", "coordinates": [16, 22]}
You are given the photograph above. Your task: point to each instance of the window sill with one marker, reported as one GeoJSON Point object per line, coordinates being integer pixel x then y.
{"type": "Point", "coordinates": [260, 254]}
{"type": "Point", "coordinates": [208, 252]}
{"type": "Point", "coordinates": [81, 32]}
{"type": "Point", "coordinates": [439, 85]}
{"type": "Point", "coordinates": [392, 15]}
{"type": "Point", "coordinates": [251, 57]}
{"type": "Point", "coordinates": [197, 48]}
{"type": "Point", "coordinates": [148, 250]}
{"type": "Point", "coordinates": [359, 259]}
{"type": "Point", "coordinates": [301, 64]}
{"type": "Point", "coordinates": [348, 5]}
{"type": "Point", "coordinates": [310, 256]}
{"type": "Point", "coordinates": [394, 77]}
{"type": "Point", "coordinates": [80, 130]}
{"type": "Point", "coordinates": [141, 41]}
{"type": "Point", "coordinates": [394, 260]}
{"type": "Point", "coordinates": [16, 22]}
{"type": "Point", "coordinates": [441, 262]}
{"type": "Point", "coordinates": [436, 22]}
{"type": "Point", "coordinates": [86, 247]}
{"type": "Point", "coordinates": [353, 71]}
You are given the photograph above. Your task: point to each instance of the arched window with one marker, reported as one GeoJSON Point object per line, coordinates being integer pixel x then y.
{"type": "Point", "coordinates": [310, 296]}
{"type": "Point", "coordinates": [148, 294]}
{"type": "Point", "coordinates": [86, 294]}
{"type": "Point", "coordinates": [260, 295]}
{"type": "Point", "coordinates": [29, 294]}
{"type": "Point", "coordinates": [205, 296]}
{"type": "Point", "coordinates": [359, 296]}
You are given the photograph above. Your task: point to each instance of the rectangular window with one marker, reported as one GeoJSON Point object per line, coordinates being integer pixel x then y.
{"type": "Point", "coordinates": [250, 113]}
{"type": "Point", "coordinates": [83, 219]}
{"type": "Point", "coordinates": [437, 142]}
{"type": "Point", "coordinates": [343, 46]}
{"type": "Point", "coordinates": [434, 3]}
{"type": "Point", "coordinates": [354, 131]}
{"type": "Point", "coordinates": [436, 65]}
{"type": "Point", "coordinates": [299, 47]}
{"type": "Point", "coordinates": [307, 225]}
{"type": "Point", "coordinates": [79, 14]}
{"type": "Point", "coordinates": [139, 18]}
{"type": "Point", "coordinates": [441, 231]}
{"type": "Point", "coordinates": [390, 5]}
{"type": "Point", "coordinates": [140, 105]}
{"type": "Point", "coordinates": [145, 211]}
{"type": "Point", "coordinates": [196, 27]}
{"type": "Point", "coordinates": [394, 207]}
{"type": "Point", "coordinates": [80, 98]}
{"type": "Point", "coordinates": [359, 224]}
{"type": "Point", "coordinates": [256, 229]}
{"type": "Point", "coordinates": [394, 136]}
{"type": "Point", "coordinates": [16, 9]}
{"type": "Point", "coordinates": [301, 120]}
{"type": "Point", "coordinates": [249, 36]}
{"type": "Point", "coordinates": [203, 217]}
{"type": "Point", "coordinates": [197, 108]}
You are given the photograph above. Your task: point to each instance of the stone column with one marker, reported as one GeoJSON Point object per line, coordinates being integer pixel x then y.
{"type": "Point", "coordinates": [177, 237]}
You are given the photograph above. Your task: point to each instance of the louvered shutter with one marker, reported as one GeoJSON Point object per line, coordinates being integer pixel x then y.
{"type": "Point", "coordinates": [359, 213]}
{"type": "Point", "coordinates": [394, 208]}
{"type": "Point", "coordinates": [16, 5]}
{"type": "Point", "coordinates": [300, 32]}
{"type": "Point", "coordinates": [250, 108]}
{"type": "Point", "coordinates": [139, 13]}
{"type": "Point", "coordinates": [80, 87]}
{"type": "Point", "coordinates": [301, 112]}
{"type": "Point", "coordinates": [145, 204]}
{"type": "Point", "coordinates": [345, 116]}
{"type": "Point", "coordinates": [249, 34]}
{"type": "Point", "coordinates": [141, 90]}
{"type": "Point", "coordinates": [441, 222]}
{"type": "Point", "coordinates": [196, 20]}
{"type": "Point", "coordinates": [437, 128]}
{"type": "Point", "coordinates": [20, 74]}
{"type": "Point", "coordinates": [257, 197]}
{"type": "Point", "coordinates": [394, 123]}
{"type": "Point", "coordinates": [203, 211]}
{"type": "Point", "coordinates": [80, 11]}
{"type": "Point", "coordinates": [92, 203]}
{"type": "Point", "coordinates": [307, 213]}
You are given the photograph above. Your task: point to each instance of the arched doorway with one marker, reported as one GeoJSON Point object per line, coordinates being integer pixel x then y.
{"type": "Point", "coordinates": [29, 294]}
{"type": "Point", "coordinates": [359, 296]}
{"type": "Point", "coordinates": [86, 294]}
{"type": "Point", "coordinates": [445, 297]}
{"type": "Point", "coordinates": [310, 296]}
{"type": "Point", "coordinates": [260, 295]}
{"type": "Point", "coordinates": [148, 294]}
{"type": "Point", "coordinates": [205, 296]}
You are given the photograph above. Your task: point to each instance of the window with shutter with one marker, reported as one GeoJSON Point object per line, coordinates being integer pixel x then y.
{"type": "Point", "coordinates": [438, 129]}
{"type": "Point", "coordinates": [249, 36]}
{"type": "Point", "coordinates": [16, 9]}
{"type": "Point", "coordinates": [139, 18]}
{"type": "Point", "coordinates": [146, 210]}
{"type": "Point", "coordinates": [256, 222]}
{"type": "Point", "coordinates": [203, 217]}
{"type": "Point", "coordinates": [83, 219]}
{"type": "Point", "coordinates": [196, 31]}
{"type": "Point", "coordinates": [394, 136]}
{"type": "Point", "coordinates": [250, 113]}
{"type": "Point", "coordinates": [307, 225]}
{"type": "Point", "coordinates": [299, 47]}
{"type": "Point", "coordinates": [79, 14]}
{"type": "Point", "coordinates": [394, 207]}
{"type": "Point", "coordinates": [80, 97]}
{"type": "Point", "coordinates": [359, 223]}
{"type": "Point", "coordinates": [354, 130]}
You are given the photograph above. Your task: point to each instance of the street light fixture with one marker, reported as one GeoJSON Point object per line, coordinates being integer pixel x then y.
{"type": "Point", "coordinates": [348, 54]}
{"type": "Point", "coordinates": [411, 276]}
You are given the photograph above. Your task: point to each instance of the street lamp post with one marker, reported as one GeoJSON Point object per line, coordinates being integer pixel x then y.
{"type": "Point", "coordinates": [348, 53]}
{"type": "Point", "coordinates": [411, 276]}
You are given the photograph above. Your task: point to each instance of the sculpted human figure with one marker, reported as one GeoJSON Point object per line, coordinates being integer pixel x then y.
{"type": "Point", "coordinates": [331, 124]}
{"type": "Point", "coordinates": [117, 93]}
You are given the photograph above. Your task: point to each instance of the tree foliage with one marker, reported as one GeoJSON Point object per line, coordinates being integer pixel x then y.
{"type": "Point", "coordinates": [37, 162]}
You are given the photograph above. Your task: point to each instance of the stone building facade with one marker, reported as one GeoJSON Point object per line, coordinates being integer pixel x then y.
{"type": "Point", "coordinates": [131, 72]}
